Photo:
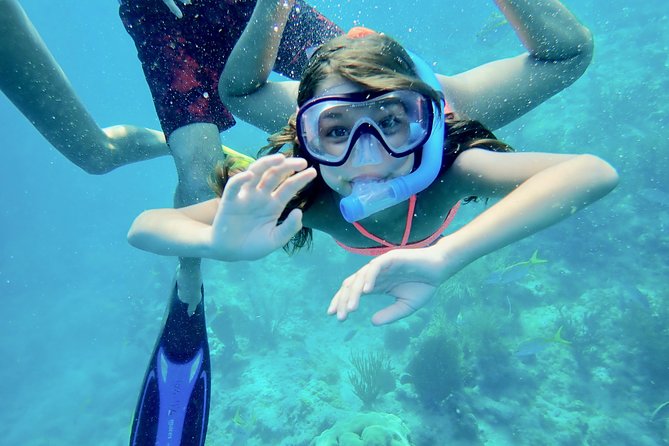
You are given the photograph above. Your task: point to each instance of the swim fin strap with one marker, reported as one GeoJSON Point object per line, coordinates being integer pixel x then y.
{"type": "Point", "coordinates": [173, 406]}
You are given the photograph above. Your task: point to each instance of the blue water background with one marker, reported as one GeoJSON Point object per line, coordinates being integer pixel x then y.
{"type": "Point", "coordinates": [81, 308]}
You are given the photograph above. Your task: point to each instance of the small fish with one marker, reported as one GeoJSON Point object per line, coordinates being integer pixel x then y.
{"type": "Point", "coordinates": [632, 295]}
{"type": "Point", "coordinates": [661, 412]}
{"type": "Point", "coordinates": [534, 260]}
{"type": "Point", "coordinates": [350, 335]}
{"type": "Point", "coordinates": [238, 419]}
{"type": "Point", "coordinates": [536, 345]}
{"type": "Point", "coordinates": [515, 272]}
{"type": "Point", "coordinates": [508, 275]}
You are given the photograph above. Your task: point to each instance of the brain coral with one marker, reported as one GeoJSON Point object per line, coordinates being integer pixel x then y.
{"type": "Point", "coordinates": [368, 429]}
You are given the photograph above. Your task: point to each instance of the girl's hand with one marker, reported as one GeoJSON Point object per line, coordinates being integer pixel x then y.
{"type": "Point", "coordinates": [245, 226]}
{"type": "Point", "coordinates": [411, 276]}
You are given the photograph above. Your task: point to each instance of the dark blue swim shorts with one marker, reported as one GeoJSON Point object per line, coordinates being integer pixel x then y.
{"type": "Point", "coordinates": [183, 58]}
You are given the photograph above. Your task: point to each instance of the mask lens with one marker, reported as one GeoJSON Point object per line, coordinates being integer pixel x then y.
{"type": "Point", "coordinates": [328, 127]}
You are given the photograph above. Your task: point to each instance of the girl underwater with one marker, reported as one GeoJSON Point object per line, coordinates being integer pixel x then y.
{"type": "Point", "coordinates": [559, 49]}
{"type": "Point", "coordinates": [377, 160]}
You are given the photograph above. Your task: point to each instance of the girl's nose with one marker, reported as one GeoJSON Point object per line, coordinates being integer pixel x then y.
{"type": "Point", "coordinates": [367, 151]}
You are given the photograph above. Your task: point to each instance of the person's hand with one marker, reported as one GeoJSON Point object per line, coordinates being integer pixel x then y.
{"type": "Point", "coordinates": [411, 276]}
{"type": "Point", "coordinates": [245, 226]}
{"type": "Point", "coordinates": [174, 8]}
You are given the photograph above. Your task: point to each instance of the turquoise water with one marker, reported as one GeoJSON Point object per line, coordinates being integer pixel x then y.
{"type": "Point", "coordinates": [81, 308]}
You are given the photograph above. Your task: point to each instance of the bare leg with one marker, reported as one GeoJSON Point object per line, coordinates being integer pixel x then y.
{"type": "Point", "coordinates": [32, 79]}
{"type": "Point", "coordinates": [196, 148]}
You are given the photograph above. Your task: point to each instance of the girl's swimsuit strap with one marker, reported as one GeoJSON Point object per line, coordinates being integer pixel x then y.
{"type": "Point", "coordinates": [376, 251]}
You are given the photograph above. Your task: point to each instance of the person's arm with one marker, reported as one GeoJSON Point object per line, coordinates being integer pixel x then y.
{"type": "Point", "coordinates": [241, 225]}
{"type": "Point", "coordinates": [538, 190]}
{"type": "Point", "coordinates": [559, 51]}
{"type": "Point", "coordinates": [556, 186]}
{"type": "Point", "coordinates": [184, 232]}
{"type": "Point", "coordinates": [244, 86]}
{"type": "Point", "coordinates": [32, 79]}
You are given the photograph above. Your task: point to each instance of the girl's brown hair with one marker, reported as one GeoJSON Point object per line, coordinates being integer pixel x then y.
{"type": "Point", "coordinates": [376, 62]}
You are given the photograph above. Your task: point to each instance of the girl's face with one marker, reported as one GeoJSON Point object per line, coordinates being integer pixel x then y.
{"type": "Point", "coordinates": [369, 160]}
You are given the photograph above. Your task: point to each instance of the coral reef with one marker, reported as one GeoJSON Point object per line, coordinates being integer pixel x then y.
{"type": "Point", "coordinates": [372, 377]}
{"type": "Point", "coordinates": [436, 370]}
{"type": "Point", "coordinates": [397, 337]}
{"type": "Point", "coordinates": [369, 429]}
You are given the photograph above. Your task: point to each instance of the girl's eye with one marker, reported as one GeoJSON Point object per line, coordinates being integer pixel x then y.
{"type": "Point", "coordinates": [337, 132]}
{"type": "Point", "coordinates": [389, 123]}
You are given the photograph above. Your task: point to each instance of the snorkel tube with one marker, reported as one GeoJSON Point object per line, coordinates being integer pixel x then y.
{"type": "Point", "coordinates": [369, 197]}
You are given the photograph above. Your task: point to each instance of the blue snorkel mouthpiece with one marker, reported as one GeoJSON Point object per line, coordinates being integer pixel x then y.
{"type": "Point", "coordinates": [369, 197]}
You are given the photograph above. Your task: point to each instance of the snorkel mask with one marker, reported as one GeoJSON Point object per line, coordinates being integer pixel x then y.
{"type": "Point", "coordinates": [400, 121]}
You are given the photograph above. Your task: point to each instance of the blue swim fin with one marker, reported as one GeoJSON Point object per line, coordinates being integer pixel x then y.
{"type": "Point", "coordinates": [173, 405]}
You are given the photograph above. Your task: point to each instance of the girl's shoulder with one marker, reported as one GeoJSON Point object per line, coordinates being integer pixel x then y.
{"type": "Point", "coordinates": [467, 170]}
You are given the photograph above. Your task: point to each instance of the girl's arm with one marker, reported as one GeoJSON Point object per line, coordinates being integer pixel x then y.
{"type": "Point", "coordinates": [241, 225]}
{"type": "Point", "coordinates": [244, 86]}
{"type": "Point", "coordinates": [551, 188]}
{"type": "Point", "coordinates": [183, 232]}
{"type": "Point", "coordinates": [538, 190]}
{"type": "Point", "coordinates": [559, 51]}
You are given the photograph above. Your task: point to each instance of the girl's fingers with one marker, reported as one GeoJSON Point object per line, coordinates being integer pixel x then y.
{"type": "Point", "coordinates": [276, 175]}
{"type": "Point", "coordinates": [333, 306]}
{"type": "Point", "coordinates": [349, 294]}
{"type": "Point", "coordinates": [356, 290]}
{"type": "Point", "coordinates": [392, 313]}
{"type": "Point", "coordinates": [252, 176]}
{"type": "Point", "coordinates": [235, 184]}
{"type": "Point", "coordinates": [344, 296]}
{"type": "Point", "coordinates": [261, 165]}
{"type": "Point", "coordinates": [292, 185]}
{"type": "Point", "coordinates": [373, 270]}
{"type": "Point", "coordinates": [339, 298]}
